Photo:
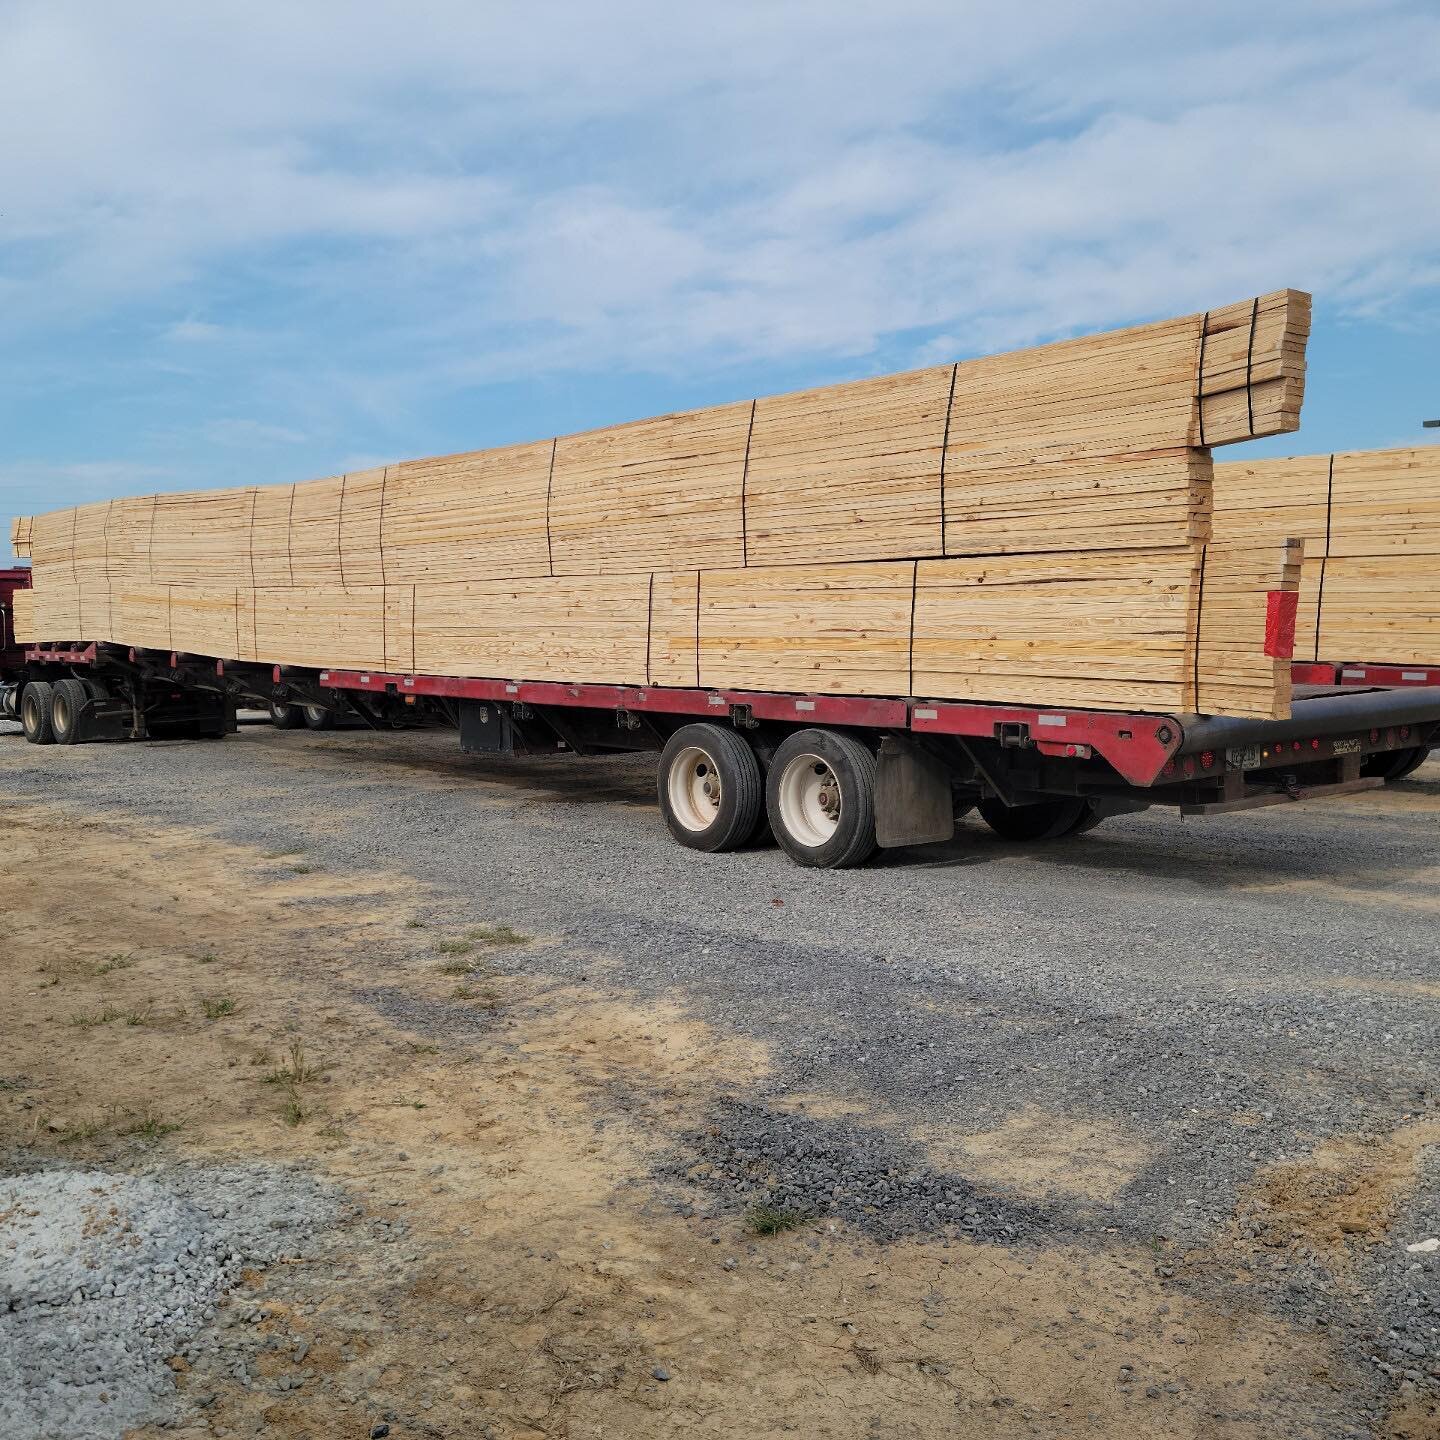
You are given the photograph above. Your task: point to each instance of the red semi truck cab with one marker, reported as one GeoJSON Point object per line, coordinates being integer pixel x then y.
{"type": "Point", "coordinates": [12, 655]}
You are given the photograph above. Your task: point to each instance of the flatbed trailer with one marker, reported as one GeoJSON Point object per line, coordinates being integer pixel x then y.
{"type": "Point", "coordinates": [1356, 674]}
{"type": "Point", "coordinates": [833, 776]}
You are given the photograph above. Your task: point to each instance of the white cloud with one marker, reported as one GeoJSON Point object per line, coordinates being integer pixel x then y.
{"type": "Point", "coordinates": [79, 483]}
{"type": "Point", "coordinates": [464, 192]}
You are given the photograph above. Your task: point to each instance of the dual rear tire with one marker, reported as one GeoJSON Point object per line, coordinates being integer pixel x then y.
{"type": "Point", "coordinates": [817, 794]}
{"type": "Point", "coordinates": [55, 714]}
{"type": "Point", "coordinates": [287, 716]}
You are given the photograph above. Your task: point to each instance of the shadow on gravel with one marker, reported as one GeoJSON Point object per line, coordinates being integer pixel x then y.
{"type": "Point", "coordinates": [749, 1157]}
{"type": "Point", "coordinates": [1248, 857]}
{"type": "Point", "coordinates": [566, 779]}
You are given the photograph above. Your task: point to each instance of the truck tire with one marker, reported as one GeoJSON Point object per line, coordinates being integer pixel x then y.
{"type": "Point", "coordinates": [317, 717]}
{"type": "Point", "coordinates": [285, 717]}
{"type": "Point", "coordinates": [68, 720]}
{"type": "Point", "coordinates": [1046, 820]}
{"type": "Point", "coordinates": [1417, 757]}
{"type": "Point", "coordinates": [1392, 765]}
{"type": "Point", "coordinates": [1090, 816]}
{"type": "Point", "coordinates": [35, 713]}
{"type": "Point", "coordinates": [711, 792]}
{"type": "Point", "coordinates": [820, 797]}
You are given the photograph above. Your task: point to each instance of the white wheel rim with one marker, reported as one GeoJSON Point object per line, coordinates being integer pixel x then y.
{"type": "Point", "coordinates": [810, 800]}
{"type": "Point", "coordinates": [693, 789]}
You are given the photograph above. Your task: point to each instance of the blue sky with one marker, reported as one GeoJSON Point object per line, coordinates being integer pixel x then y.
{"type": "Point", "coordinates": [250, 243]}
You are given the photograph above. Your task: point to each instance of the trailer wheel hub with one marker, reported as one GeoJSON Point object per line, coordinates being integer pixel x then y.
{"type": "Point", "coordinates": [694, 789]}
{"type": "Point", "coordinates": [810, 799]}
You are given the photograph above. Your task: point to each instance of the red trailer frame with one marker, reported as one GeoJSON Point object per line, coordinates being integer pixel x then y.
{"type": "Point", "coordinates": [1327, 672]}
{"type": "Point", "coordinates": [1034, 771]}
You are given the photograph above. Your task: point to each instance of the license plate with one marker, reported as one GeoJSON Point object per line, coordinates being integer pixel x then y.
{"type": "Point", "coordinates": [1245, 757]}
{"type": "Point", "coordinates": [1345, 747]}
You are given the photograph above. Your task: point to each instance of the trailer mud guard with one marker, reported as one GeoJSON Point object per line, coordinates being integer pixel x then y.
{"type": "Point", "coordinates": [914, 804]}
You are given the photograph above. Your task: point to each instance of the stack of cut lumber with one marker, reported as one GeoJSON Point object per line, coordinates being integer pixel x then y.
{"type": "Point", "coordinates": [1030, 526]}
{"type": "Point", "coordinates": [1370, 520]}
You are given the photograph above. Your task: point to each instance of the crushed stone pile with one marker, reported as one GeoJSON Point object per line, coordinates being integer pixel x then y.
{"type": "Point", "coordinates": [104, 1276]}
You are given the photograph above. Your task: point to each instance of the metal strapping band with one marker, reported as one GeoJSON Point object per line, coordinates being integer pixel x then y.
{"type": "Point", "coordinates": [1200, 379]}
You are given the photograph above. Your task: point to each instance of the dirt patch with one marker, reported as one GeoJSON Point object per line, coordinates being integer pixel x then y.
{"type": "Point", "coordinates": [1041, 1154]}
{"type": "Point", "coordinates": [176, 996]}
{"type": "Point", "coordinates": [1416, 888]}
{"type": "Point", "coordinates": [1341, 1197]}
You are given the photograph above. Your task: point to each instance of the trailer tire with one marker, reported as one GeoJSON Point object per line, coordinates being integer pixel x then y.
{"type": "Point", "coordinates": [317, 717]}
{"type": "Point", "coordinates": [820, 797]}
{"type": "Point", "coordinates": [35, 713]}
{"type": "Point", "coordinates": [68, 721]}
{"type": "Point", "coordinates": [1418, 756]}
{"type": "Point", "coordinates": [1395, 765]}
{"type": "Point", "coordinates": [711, 792]}
{"type": "Point", "coordinates": [1046, 820]}
{"type": "Point", "coordinates": [285, 717]}
{"type": "Point", "coordinates": [1090, 816]}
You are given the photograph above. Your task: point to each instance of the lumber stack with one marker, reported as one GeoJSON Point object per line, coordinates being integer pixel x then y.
{"type": "Point", "coordinates": [1023, 526]}
{"type": "Point", "coordinates": [1370, 520]}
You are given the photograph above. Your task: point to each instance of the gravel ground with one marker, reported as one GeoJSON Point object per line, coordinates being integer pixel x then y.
{"type": "Point", "coordinates": [1227, 993]}
{"type": "Point", "coordinates": [105, 1277]}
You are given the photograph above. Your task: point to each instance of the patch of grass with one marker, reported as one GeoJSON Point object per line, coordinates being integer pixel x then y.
{"type": "Point", "coordinates": [771, 1220]}
{"type": "Point", "coordinates": [298, 1072]}
{"type": "Point", "coordinates": [455, 967]}
{"type": "Point", "coordinates": [51, 983]}
{"type": "Point", "coordinates": [114, 962]}
{"type": "Point", "coordinates": [455, 947]}
{"type": "Point", "coordinates": [303, 869]}
{"type": "Point", "coordinates": [487, 997]}
{"type": "Point", "coordinates": [206, 959]}
{"type": "Point", "coordinates": [331, 1131]}
{"type": "Point", "coordinates": [262, 1057]}
{"type": "Point", "coordinates": [78, 1130]}
{"type": "Point", "coordinates": [137, 1016]}
{"type": "Point", "coordinates": [216, 1007]}
{"type": "Point", "coordinates": [149, 1127]}
{"type": "Point", "coordinates": [415, 1047]}
{"type": "Point", "coordinates": [413, 924]}
{"type": "Point", "coordinates": [497, 935]}
{"type": "Point", "coordinates": [88, 1021]}
{"type": "Point", "coordinates": [18, 1082]}
{"type": "Point", "coordinates": [293, 1111]}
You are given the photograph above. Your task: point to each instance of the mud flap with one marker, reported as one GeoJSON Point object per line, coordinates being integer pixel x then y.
{"type": "Point", "coordinates": [913, 800]}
